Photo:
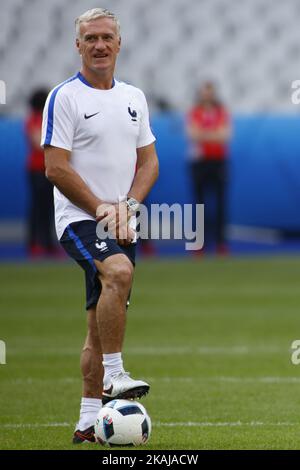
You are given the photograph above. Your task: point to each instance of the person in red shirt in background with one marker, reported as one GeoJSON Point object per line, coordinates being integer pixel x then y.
{"type": "Point", "coordinates": [41, 214]}
{"type": "Point", "coordinates": [208, 126]}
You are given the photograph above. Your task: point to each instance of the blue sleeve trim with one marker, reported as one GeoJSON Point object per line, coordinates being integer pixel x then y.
{"type": "Point", "coordinates": [50, 118]}
{"type": "Point", "coordinates": [50, 122]}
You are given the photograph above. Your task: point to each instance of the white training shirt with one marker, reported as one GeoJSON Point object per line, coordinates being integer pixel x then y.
{"type": "Point", "coordinates": [102, 129]}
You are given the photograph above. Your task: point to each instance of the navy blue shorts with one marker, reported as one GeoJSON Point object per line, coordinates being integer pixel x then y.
{"type": "Point", "coordinates": [81, 243]}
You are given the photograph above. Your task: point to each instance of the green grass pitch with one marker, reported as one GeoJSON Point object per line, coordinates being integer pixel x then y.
{"type": "Point", "coordinates": [213, 337]}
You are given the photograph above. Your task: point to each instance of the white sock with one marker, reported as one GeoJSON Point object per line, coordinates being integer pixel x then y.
{"type": "Point", "coordinates": [112, 364]}
{"type": "Point", "coordinates": [89, 409]}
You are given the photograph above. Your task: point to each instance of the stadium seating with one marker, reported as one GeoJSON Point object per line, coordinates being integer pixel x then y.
{"type": "Point", "coordinates": [250, 48]}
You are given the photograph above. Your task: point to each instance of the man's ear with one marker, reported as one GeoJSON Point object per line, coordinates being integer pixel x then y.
{"type": "Point", "coordinates": [119, 43]}
{"type": "Point", "coordinates": [78, 45]}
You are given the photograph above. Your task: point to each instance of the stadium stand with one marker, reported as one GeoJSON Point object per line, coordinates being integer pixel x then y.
{"type": "Point", "coordinates": [251, 48]}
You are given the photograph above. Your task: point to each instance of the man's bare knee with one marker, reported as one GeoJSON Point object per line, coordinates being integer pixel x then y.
{"type": "Point", "coordinates": [116, 273]}
{"type": "Point", "coordinates": [120, 275]}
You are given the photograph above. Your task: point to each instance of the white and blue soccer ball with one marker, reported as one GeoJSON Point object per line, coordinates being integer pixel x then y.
{"type": "Point", "coordinates": [123, 422]}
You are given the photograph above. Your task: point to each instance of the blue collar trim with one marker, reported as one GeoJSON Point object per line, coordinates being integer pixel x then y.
{"type": "Point", "coordinates": [84, 80]}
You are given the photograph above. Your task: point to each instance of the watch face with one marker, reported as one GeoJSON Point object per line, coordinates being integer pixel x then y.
{"type": "Point", "coordinates": [133, 205]}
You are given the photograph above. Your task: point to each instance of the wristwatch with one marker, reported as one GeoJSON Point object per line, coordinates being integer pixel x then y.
{"type": "Point", "coordinates": [132, 205]}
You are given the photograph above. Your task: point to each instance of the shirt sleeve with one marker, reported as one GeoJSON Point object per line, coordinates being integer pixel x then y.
{"type": "Point", "coordinates": [145, 136]}
{"type": "Point", "coordinates": [58, 121]}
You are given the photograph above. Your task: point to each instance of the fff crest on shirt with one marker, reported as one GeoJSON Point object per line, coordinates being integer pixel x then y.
{"type": "Point", "coordinates": [132, 113]}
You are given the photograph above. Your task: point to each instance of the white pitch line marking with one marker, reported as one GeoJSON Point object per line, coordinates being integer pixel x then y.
{"type": "Point", "coordinates": [224, 424]}
{"type": "Point", "coordinates": [168, 350]}
{"type": "Point", "coordinates": [35, 425]}
{"type": "Point", "coordinates": [203, 424]}
{"type": "Point", "coordinates": [224, 379]}
{"type": "Point", "coordinates": [241, 380]}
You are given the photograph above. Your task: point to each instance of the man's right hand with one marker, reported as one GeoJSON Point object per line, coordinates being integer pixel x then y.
{"type": "Point", "coordinates": [115, 217]}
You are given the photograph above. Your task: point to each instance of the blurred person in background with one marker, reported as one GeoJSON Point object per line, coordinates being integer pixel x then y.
{"type": "Point", "coordinates": [208, 127]}
{"type": "Point", "coordinates": [41, 211]}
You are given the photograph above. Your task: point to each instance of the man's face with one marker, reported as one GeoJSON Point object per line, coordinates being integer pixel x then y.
{"type": "Point", "coordinates": [207, 93]}
{"type": "Point", "coordinates": [99, 44]}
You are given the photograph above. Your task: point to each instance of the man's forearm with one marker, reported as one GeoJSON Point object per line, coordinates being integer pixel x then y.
{"type": "Point", "coordinates": [200, 134]}
{"type": "Point", "coordinates": [72, 186]}
{"type": "Point", "coordinates": [145, 178]}
{"type": "Point", "coordinates": [220, 135]}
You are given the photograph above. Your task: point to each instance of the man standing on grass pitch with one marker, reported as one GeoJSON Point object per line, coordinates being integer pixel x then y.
{"type": "Point", "coordinates": [101, 158]}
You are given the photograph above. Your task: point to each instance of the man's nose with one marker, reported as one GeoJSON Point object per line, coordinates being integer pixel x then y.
{"type": "Point", "coordinates": [100, 44]}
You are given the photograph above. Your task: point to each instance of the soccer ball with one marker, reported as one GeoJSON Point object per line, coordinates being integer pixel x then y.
{"type": "Point", "coordinates": [123, 422]}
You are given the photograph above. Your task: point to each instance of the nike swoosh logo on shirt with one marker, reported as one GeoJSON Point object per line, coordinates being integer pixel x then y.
{"type": "Point", "coordinates": [91, 115]}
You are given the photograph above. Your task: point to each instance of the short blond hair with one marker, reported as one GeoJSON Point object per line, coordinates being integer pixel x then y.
{"type": "Point", "coordinates": [94, 14]}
